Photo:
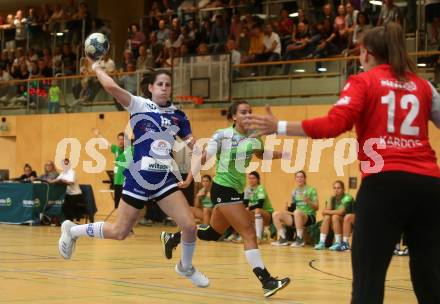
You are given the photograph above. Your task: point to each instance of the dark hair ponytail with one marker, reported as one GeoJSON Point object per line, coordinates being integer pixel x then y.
{"type": "Point", "coordinates": [387, 45]}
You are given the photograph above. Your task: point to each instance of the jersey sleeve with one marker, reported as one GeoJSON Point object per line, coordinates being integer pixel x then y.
{"type": "Point", "coordinates": [435, 108]}
{"type": "Point", "coordinates": [261, 193]}
{"type": "Point", "coordinates": [184, 126]}
{"type": "Point", "coordinates": [214, 144]}
{"type": "Point", "coordinates": [135, 105]}
{"type": "Point", "coordinates": [113, 148]}
{"type": "Point", "coordinates": [313, 195]}
{"type": "Point", "coordinates": [343, 115]}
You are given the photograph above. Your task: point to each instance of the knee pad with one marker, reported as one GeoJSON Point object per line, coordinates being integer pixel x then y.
{"type": "Point", "coordinates": [206, 233]}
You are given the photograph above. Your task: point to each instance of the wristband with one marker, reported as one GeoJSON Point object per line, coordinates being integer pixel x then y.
{"type": "Point", "coordinates": [282, 127]}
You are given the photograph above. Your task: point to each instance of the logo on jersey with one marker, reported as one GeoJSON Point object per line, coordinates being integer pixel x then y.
{"type": "Point", "coordinates": [343, 101]}
{"type": "Point", "coordinates": [346, 87]}
{"type": "Point", "coordinates": [165, 122]}
{"type": "Point", "coordinates": [152, 106]}
{"type": "Point", "coordinates": [161, 147]}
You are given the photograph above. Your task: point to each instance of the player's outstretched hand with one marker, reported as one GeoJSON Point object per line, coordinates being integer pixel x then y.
{"type": "Point", "coordinates": [264, 124]}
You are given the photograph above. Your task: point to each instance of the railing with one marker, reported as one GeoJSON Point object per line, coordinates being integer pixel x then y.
{"type": "Point", "coordinates": [306, 81]}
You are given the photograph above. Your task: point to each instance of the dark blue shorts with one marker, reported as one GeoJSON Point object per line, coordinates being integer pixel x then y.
{"type": "Point", "coordinates": [152, 187]}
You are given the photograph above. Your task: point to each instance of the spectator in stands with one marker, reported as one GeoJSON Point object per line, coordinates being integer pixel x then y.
{"type": "Point", "coordinates": [129, 81]}
{"type": "Point", "coordinates": [57, 55]}
{"type": "Point", "coordinates": [154, 16]}
{"type": "Point", "coordinates": [272, 46]}
{"type": "Point", "coordinates": [56, 18]}
{"type": "Point", "coordinates": [44, 70]}
{"type": "Point", "coordinates": [235, 56]}
{"type": "Point", "coordinates": [172, 41]}
{"type": "Point", "coordinates": [333, 215]}
{"type": "Point", "coordinates": [245, 41]}
{"type": "Point", "coordinates": [350, 17]}
{"type": "Point", "coordinates": [300, 213]}
{"type": "Point", "coordinates": [218, 35]}
{"type": "Point", "coordinates": [50, 172]}
{"type": "Point", "coordinates": [127, 59]}
{"type": "Point", "coordinates": [175, 26]}
{"type": "Point", "coordinates": [28, 175]}
{"type": "Point", "coordinates": [172, 6]}
{"type": "Point", "coordinates": [327, 35]}
{"type": "Point", "coordinates": [162, 32]}
{"type": "Point", "coordinates": [68, 59]}
{"type": "Point", "coordinates": [301, 46]}
{"type": "Point", "coordinates": [20, 29]}
{"type": "Point", "coordinates": [155, 49]}
{"type": "Point", "coordinates": [145, 59]}
{"type": "Point", "coordinates": [194, 36]}
{"type": "Point", "coordinates": [9, 32]}
{"type": "Point", "coordinates": [74, 205]}
{"type": "Point", "coordinates": [341, 28]}
{"type": "Point", "coordinates": [432, 13]}
{"type": "Point", "coordinates": [85, 96]}
{"type": "Point", "coordinates": [285, 24]}
{"type": "Point", "coordinates": [256, 47]}
{"type": "Point", "coordinates": [5, 63]}
{"type": "Point", "coordinates": [54, 99]}
{"type": "Point", "coordinates": [205, 31]}
{"type": "Point", "coordinates": [389, 13]}
{"type": "Point", "coordinates": [327, 13]}
{"type": "Point", "coordinates": [362, 25]}
{"type": "Point", "coordinates": [5, 88]}
{"type": "Point", "coordinates": [47, 57]}
{"type": "Point", "coordinates": [33, 26]}
{"type": "Point", "coordinates": [184, 51]}
{"type": "Point", "coordinates": [31, 55]}
{"type": "Point", "coordinates": [235, 27]}
{"type": "Point", "coordinates": [137, 38]}
{"type": "Point", "coordinates": [107, 64]}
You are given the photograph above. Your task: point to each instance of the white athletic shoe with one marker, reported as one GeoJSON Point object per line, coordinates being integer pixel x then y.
{"type": "Point", "coordinates": [66, 244]}
{"type": "Point", "coordinates": [196, 277]}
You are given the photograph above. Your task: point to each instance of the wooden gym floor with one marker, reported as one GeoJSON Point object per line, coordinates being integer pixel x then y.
{"type": "Point", "coordinates": [135, 271]}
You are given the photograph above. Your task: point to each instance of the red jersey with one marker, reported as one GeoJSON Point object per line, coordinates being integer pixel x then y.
{"type": "Point", "coordinates": [391, 120]}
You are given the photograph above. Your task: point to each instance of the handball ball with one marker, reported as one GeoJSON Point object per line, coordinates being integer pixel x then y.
{"type": "Point", "coordinates": [96, 46]}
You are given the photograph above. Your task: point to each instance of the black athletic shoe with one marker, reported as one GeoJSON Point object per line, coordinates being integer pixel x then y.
{"type": "Point", "coordinates": [169, 243]}
{"type": "Point", "coordinates": [273, 285]}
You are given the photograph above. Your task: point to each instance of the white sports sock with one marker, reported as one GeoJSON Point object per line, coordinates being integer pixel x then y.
{"type": "Point", "coordinates": [187, 254]}
{"type": "Point", "coordinates": [259, 225]}
{"type": "Point", "coordinates": [322, 237]}
{"type": "Point", "coordinates": [92, 230]}
{"type": "Point", "coordinates": [299, 233]}
{"type": "Point", "coordinates": [338, 238]}
{"type": "Point", "coordinates": [345, 239]}
{"type": "Point", "coordinates": [282, 233]}
{"type": "Point", "coordinates": [254, 259]}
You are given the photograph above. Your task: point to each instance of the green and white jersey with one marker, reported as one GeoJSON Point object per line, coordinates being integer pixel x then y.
{"type": "Point", "coordinates": [256, 194]}
{"type": "Point", "coordinates": [345, 202]}
{"type": "Point", "coordinates": [205, 199]}
{"type": "Point", "coordinates": [233, 153]}
{"type": "Point", "coordinates": [298, 195]}
{"type": "Point", "coordinates": [121, 162]}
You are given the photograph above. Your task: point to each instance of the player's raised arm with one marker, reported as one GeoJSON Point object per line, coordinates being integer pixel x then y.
{"type": "Point", "coordinates": [121, 95]}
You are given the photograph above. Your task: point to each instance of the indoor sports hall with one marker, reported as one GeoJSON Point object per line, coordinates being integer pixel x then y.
{"type": "Point", "coordinates": [147, 147]}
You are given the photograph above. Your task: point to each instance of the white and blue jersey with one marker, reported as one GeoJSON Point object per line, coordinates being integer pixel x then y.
{"type": "Point", "coordinates": [153, 172]}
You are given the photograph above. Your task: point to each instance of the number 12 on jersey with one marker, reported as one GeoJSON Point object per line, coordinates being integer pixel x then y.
{"type": "Point", "coordinates": [406, 128]}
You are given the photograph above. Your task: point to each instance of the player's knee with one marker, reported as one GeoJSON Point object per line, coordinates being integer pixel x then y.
{"type": "Point", "coordinates": [189, 228]}
{"type": "Point", "coordinates": [207, 233]}
{"type": "Point", "coordinates": [297, 213]}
